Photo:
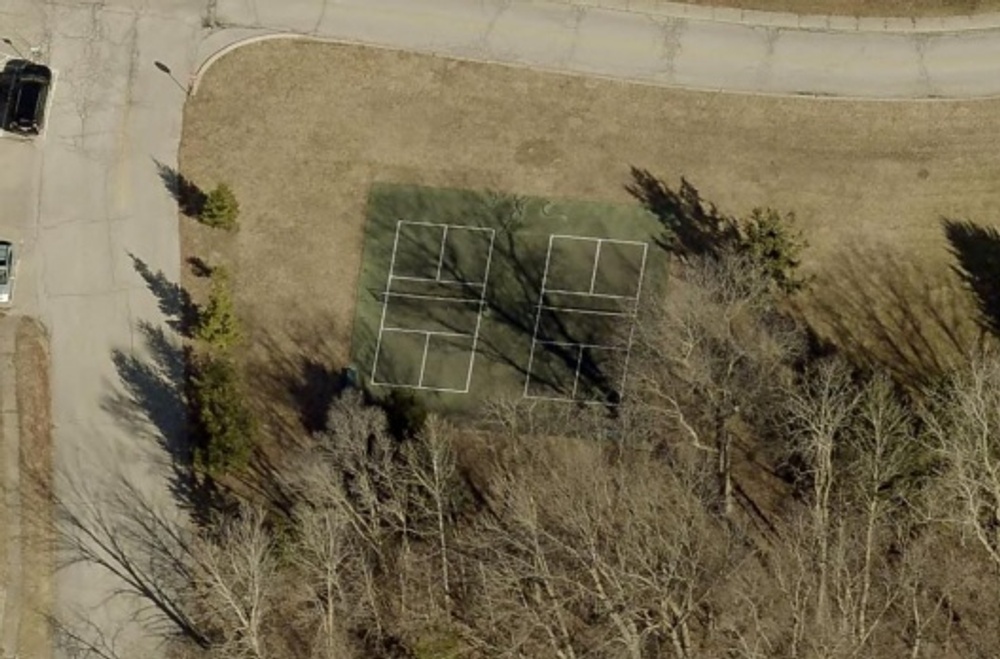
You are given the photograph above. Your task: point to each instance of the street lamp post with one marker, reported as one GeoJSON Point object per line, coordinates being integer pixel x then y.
{"type": "Point", "coordinates": [166, 69]}
{"type": "Point", "coordinates": [10, 43]}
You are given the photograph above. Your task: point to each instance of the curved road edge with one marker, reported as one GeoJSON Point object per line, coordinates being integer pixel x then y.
{"type": "Point", "coordinates": [653, 48]}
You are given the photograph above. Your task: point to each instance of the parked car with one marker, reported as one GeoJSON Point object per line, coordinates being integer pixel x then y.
{"type": "Point", "coordinates": [29, 89]}
{"type": "Point", "coordinates": [6, 272]}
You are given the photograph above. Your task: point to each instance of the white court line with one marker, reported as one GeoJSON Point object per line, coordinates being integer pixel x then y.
{"type": "Point", "coordinates": [444, 225]}
{"type": "Point", "coordinates": [603, 296]}
{"type": "Point", "coordinates": [422, 224]}
{"type": "Point", "coordinates": [627, 314]}
{"type": "Point", "coordinates": [444, 239]}
{"type": "Point", "coordinates": [385, 303]}
{"type": "Point", "coordinates": [557, 399]}
{"type": "Point", "coordinates": [403, 330]}
{"type": "Point", "coordinates": [597, 259]}
{"type": "Point", "coordinates": [572, 344]}
{"type": "Point", "coordinates": [422, 388]}
{"type": "Point", "coordinates": [438, 298]}
{"type": "Point", "coordinates": [431, 280]}
{"type": "Point", "coordinates": [538, 316]}
{"type": "Point", "coordinates": [423, 360]}
{"type": "Point", "coordinates": [596, 239]}
{"type": "Point", "coordinates": [479, 317]}
{"type": "Point", "coordinates": [569, 236]}
{"type": "Point", "coordinates": [478, 284]}
{"type": "Point", "coordinates": [635, 315]}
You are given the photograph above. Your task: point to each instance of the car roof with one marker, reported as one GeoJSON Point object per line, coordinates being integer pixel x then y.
{"type": "Point", "coordinates": [38, 72]}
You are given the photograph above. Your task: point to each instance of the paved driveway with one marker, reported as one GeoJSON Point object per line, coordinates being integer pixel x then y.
{"type": "Point", "coordinates": [89, 203]}
{"type": "Point", "coordinates": [101, 210]}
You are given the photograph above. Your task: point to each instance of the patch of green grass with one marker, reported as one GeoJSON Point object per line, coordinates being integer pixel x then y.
{"type": "Point", "coordinates": [498, 248]}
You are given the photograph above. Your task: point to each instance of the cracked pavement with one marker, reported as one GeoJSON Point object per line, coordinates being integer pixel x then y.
{"type": "Point", "coordinates": [87, 194]}
{"type": "Point", "coordinates": [677, 46]}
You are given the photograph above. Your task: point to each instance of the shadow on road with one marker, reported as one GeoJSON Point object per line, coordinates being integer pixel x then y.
{"type": "Point", "coordinates": [174, 301]}
{"type": "Point", "coordinates": [151, 401]}
{"type": "Point", "coordinates": [189, 197]}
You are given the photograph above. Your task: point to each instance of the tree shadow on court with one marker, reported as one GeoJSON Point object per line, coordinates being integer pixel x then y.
{"type": "Point", "coordinates": [976, 249]}
{"type": "Point", "coordinates": [881, 307]}
{"type": "Point", "coordinates": [189, 197]}
{"type": "Point", "coordinates": [691, 226]}
{"type": "Point", "coordinates": [511, 301]}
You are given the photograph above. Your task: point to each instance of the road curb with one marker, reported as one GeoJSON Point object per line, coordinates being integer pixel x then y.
{"type": "Point", "coordinates": [221, 42]}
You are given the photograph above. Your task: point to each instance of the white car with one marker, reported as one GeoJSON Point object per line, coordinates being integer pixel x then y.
{"type": "Point", "coordinates": [6, 272]}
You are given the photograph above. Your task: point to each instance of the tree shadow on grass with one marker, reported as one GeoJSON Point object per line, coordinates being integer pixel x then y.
{"type": "Point", "coordinates": [976, 249]}
{"type": "Point", "coordinates": [691, 226]}
{"type": "Point", "coordinates": [298, 370]}
{"type": "Point", "coordinates": [199, 267]}
{"type": "Point", "coordinates": [189, 197]}
{"type": "Point", "coordinates": [880, 306]}
{"type": "Point", "coordinates": [295, 371]}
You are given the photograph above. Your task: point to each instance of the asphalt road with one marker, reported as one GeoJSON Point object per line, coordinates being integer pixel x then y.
{"type": "Point", "coordinates": [842, 57]}
{"type": "Point", "coordinates": [99, 229]}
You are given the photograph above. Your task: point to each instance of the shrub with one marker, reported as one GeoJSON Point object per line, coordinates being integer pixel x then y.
{"type": "Point", "coordinates": [226, 423]}
{"type": "Point", "coordinates": [772, 243]}
{"type": "Point", "coordinates": [220, 209]}
{"type": "Point", "coordinates": [217, 323]}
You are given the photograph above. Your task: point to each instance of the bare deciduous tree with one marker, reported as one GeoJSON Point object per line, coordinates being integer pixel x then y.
{"type": "Point", "coordinates": [819, 413]}
{"type": "Point", "coordinates": [963, 422]}
{"type": "Point", "coordinates": [589, 551]}
{"type": "Point", "coordinates": [235, 580]}
{"type": "Point", "coordinates": [714, 351]}
{"type": "Point", "coordinates": [430, 467]}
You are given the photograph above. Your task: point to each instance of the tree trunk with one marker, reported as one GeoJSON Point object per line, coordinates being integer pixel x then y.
{"type": "Point", "coordinates": [724, 470]}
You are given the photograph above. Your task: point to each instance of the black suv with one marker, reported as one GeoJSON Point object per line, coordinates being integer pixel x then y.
{"type": "Point", "coordinates": [27, 88]}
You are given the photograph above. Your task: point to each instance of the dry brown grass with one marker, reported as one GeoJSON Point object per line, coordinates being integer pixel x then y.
{"type": "Point", "coordinates": [869, 182]}
{"type": "Point", "coordinates": [31, 361]}
{"type": "Point", "coordinates": [904, 8]}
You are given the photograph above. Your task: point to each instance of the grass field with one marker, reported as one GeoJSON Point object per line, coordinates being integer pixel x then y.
{"type": "Point", "coordinates": [869, 182]}
{"type": "Point", "coordinates": [466, 294]}
{"type": "Point", "coordinates": [904, 8]}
